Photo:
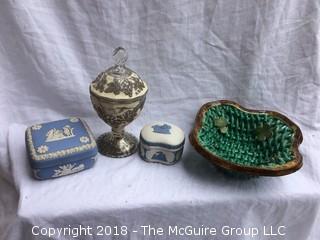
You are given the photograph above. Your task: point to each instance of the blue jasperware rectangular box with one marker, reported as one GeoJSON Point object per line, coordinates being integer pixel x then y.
{"type": "Point", "coordinates": [60, 148]}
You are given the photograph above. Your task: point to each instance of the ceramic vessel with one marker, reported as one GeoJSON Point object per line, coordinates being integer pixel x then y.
{"type": "Point", "coordinates": [118, 95]}
{"type": "Point", "coordinates": [60, 148]}
{"type": "Point", "coordinates": [161, 142]}
{"type": "Point", "coordinates": [251, 142]}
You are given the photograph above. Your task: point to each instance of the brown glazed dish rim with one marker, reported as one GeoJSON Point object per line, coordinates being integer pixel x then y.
{"type": "Point", "coordinates": [285, 169]}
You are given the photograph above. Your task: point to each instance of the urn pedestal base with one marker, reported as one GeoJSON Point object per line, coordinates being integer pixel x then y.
{"type": "Point", "coordinates": [116, 145]}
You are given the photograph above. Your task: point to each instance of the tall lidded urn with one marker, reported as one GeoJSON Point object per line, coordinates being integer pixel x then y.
{"type": "Point", "coordinates": [118, 95]}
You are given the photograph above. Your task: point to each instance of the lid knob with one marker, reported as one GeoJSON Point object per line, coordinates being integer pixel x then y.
{"type": "Point", "coordinates": [120, 56]}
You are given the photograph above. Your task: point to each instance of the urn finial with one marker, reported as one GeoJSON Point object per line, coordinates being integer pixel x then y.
{"type": "Point", "coordinates": [120, 56]}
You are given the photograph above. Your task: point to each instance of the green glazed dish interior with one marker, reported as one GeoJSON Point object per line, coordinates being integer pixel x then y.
{"type": "Point", "coordinates": [246, 138]}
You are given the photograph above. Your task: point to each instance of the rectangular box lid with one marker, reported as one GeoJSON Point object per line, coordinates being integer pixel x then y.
{"type": "Point", "coordinates": [59, 142]}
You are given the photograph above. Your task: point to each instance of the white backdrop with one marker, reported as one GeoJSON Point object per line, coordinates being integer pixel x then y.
{"type": "Point", "coordinates": [262, 54]}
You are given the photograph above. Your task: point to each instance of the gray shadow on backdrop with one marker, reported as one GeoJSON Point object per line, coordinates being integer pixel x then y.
{"type": "Point", "coordinates": [200, 168]}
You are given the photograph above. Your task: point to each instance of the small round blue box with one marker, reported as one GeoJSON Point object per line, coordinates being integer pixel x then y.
{"type": "Point", "coordinates": [60, 148]}
{"type": "Point", "coordinates": [161, 142]}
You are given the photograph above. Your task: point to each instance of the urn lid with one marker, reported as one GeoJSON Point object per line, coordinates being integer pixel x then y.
{"type": "Point", "coordinates": [119, 81]}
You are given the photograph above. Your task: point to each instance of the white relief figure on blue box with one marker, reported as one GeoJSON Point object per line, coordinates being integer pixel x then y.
{"type": "Point", "coordinates": [159, 156]}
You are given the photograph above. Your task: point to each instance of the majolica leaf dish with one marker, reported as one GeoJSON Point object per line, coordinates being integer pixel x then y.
{"type": "Point", "coordinates": [253, 142]}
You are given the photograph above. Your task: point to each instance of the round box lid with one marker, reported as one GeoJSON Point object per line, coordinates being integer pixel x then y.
{"type": "Point", "coordinates": [163, 133]}
{"type": "Point", "coordinates": [119, 82]}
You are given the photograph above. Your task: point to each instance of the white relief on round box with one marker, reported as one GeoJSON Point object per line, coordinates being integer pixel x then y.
{"type": "Point", "coordinates": [159, 155]}
{"type": "Point", "coordinates": [162, 133]}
